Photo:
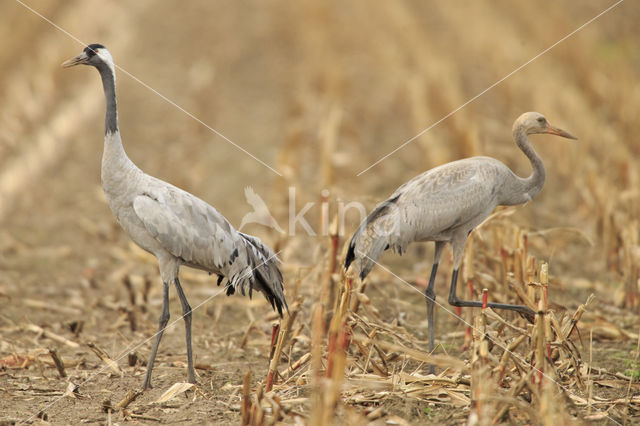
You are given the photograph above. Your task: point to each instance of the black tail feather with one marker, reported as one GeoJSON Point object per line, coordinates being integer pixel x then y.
{"type": "Point", "coordinates": [351, 254]}
{"type": "Point", "coordinates": [277, 301]}
{"type": "Point", "coordinates": [267, 277]}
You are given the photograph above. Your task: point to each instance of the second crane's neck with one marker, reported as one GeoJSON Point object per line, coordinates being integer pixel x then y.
{"type": "Point", "coordinates": [529, 187]}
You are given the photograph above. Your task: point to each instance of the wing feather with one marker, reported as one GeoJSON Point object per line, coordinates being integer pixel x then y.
{"type": "Point", "coordinates": [432, 206]}
{"type": "Point", "coordinates": [188, 228]}
{"type": "Point", "coordinates": [445, 198]}
{"type": "Point", "coordinates": [201, 237]}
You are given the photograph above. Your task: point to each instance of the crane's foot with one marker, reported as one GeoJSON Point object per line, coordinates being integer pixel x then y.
{"type": "Point", "coordinates": [524, 311]}
{"type": "Point", "coordinates": [146, 385]}
{"type": "Point", "coordinates": [193, 381]}
{"type": "Point", "coordinates": [529, 316]}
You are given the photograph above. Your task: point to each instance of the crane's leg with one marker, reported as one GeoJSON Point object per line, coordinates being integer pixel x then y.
{"type": "Point", "coordinates": [186, 314]}
{"type": "Point", "coordinates": [527, 312]}
{"type": "Point", "coordinates": [457, 242]}
{"type": "Point", "coordinates": [430, 296]}
{"type": "Point", "coordinates": [164, 319]}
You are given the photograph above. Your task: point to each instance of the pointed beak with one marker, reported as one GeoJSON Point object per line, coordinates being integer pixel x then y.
{"type": "Point", "coordinates": [78, 60]}
{"type": "Point", "coordinates": [559, 132]}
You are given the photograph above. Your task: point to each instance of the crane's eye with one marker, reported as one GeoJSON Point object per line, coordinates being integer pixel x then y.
{"type": "Point", "coordinates": [541, 120]}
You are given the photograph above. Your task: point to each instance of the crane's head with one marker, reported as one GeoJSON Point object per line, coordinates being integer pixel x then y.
{"type": "Point", "coordinates": [534, 122]}
{"type": "Point", "coordinates": [94, 54]}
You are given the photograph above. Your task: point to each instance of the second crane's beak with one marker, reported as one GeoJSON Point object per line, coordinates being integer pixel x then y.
{"type": "Point", "coordinates": [78, 60]}
{"type": "Point", "coordinates": [559, 132]}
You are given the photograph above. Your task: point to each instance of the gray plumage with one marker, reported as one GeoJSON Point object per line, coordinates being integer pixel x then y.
{"type": "Point", "coordinates": [445, 204]}
{"type": "Point", "coordinates": [174, 225]}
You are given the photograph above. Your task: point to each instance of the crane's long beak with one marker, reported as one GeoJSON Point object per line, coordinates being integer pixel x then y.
{"type": "Point", "coordinates": [559, 132]}
{"type": "Point", "coordinates": [78, 60]}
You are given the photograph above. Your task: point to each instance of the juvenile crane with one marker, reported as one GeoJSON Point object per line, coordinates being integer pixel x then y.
{"type": "Point", "coordinates": [176, 227]}
{"type": "Point", "coordinates": [444, 205]}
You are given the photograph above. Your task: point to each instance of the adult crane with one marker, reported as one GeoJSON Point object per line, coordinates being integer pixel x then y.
{"type": "Point", "coordinates": [444, 205]}
{"type": "Point", "coordinates": [175, 226]}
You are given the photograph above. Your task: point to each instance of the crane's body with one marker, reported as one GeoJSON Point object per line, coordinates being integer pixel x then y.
{"type": "Point", "coordinates": [444, 205]}
{"type": "Point", "coordinates": [180, 228]}
{"type": "Point", "coordinates": [439, 204]}
{"type": "Point", "coordinates": [175, 226]}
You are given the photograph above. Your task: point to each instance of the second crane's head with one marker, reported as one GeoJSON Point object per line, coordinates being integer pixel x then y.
{"type": "Point", "coordinates": [533, 122]}
{"type": "Point", "coordinates": [94, 54]}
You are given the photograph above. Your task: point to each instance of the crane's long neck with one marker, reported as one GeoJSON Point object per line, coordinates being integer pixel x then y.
{"type": "Point", "coordinates": [526, 189]}
{"type": "Point", "coordinates": [115, 163]}
{"type": "Point", "coordinates": [109, 85]}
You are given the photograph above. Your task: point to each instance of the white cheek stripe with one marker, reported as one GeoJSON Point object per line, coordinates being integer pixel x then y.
{"type": "Point", "coordinates": [106, 57]}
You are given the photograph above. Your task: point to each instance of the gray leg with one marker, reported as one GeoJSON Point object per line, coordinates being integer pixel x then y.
{"type": "Point", "coordinates": [186, 314]}
{"type": "Point", "coordinates": [430, 296]}
{"type": "Point", "coordinates": [164, 319]}
{"type": "Point", "coordinates": [457, 243]}
{"type": "Point", "coordinates": [525, 311]}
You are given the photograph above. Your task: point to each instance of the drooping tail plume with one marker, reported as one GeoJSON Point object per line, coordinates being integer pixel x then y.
{"type": "Point", "coordinates": [266, 276]}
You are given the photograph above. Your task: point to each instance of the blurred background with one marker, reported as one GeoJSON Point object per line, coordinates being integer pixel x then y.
{"type": "Point", "coordinates": [319, 91]}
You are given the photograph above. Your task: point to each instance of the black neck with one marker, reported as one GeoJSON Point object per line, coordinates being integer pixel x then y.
{"type": "Point", "coordinates": [109, 84]}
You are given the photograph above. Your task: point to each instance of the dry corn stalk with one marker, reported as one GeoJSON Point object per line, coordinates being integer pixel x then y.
{"type": "Point", "coordinates": [281, 336]}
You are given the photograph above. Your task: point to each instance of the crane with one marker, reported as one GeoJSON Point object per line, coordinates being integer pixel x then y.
{"type": "Point", "coordinates": [444, 205]}
{"type": "Point", "coordinates": [175, 226]}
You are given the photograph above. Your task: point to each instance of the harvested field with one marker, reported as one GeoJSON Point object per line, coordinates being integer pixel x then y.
{"type": "Point", "coordinates": [319, 92]}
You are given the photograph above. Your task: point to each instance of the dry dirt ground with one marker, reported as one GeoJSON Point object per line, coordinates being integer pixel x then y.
{"type": "Point", "coordinates": [318, 91]}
